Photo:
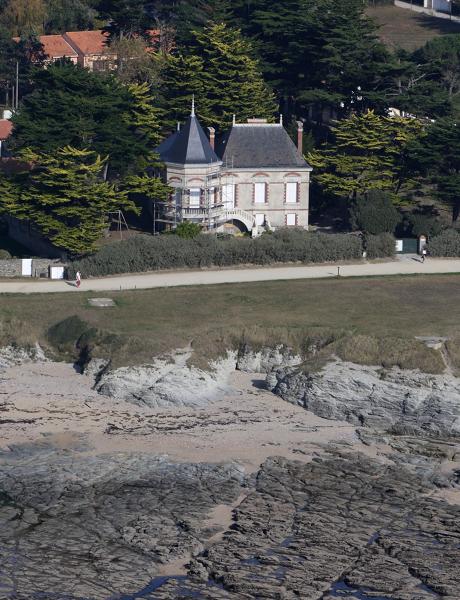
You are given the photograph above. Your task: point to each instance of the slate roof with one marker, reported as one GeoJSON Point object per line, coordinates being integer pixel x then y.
{"type": "Point", "coordinates": [189, 146]}
{"type": "Point", "coordinates": [259, 146]}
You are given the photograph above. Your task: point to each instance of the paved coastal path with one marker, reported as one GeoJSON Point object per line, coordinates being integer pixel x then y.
{"type": "Point", "coordinates": [402, 266]}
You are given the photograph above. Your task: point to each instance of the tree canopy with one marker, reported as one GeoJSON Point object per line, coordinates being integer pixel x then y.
{"type": "Point", "coordinates": [70, 106]}
{"type": "Point", "coordinates": [220, 70]}
{"type": "Point", "coordinates": [437, 156]}
{"type": "Point", "coordinates": [367, 152]}
{"type": "Point", "coordinates": [64, 196]}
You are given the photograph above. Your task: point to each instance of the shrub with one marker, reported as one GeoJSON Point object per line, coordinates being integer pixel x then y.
{"type": "Point", "coordinates": [149, 253]}
{"type": "Point", "coordinates": [445, 244]}
{"type": "Point", "coordinates": [64, 335]}
{"type": "Point", "coordinates": [188, 230]}
{"type": "Point", "coordinates": [374, 213]}
{"type": "Point", "coordinates": [423, 224]}
{"type": "Point", "coordinates": [380, 246]}
{"type": "Point", "coordinates": [4, 254]}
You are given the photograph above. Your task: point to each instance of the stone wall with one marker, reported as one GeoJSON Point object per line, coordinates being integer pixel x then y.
{"type": "Point", "coordinates": [40, 267]}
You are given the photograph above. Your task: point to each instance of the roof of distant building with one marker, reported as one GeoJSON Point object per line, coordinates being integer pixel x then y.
{"type": "Point", "coordinates": [6, 128]}
{"type": "Point", "coordinates": [88, 42]}
{"type": "Point", "coordinates": [55, 46]}
{"type": "Point", "coordinates": [189, 145]}
{"type": "Point", "coordinates": [259, 144]}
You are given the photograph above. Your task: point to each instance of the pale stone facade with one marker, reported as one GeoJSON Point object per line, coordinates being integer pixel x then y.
{"type": "Point", "coordinates": [254, 178]}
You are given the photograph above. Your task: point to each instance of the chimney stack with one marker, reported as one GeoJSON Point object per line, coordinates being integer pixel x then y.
{"type": "Point", "coordinates": [300, 136]}
{"type": "Point", "coordinates": [212, 137]}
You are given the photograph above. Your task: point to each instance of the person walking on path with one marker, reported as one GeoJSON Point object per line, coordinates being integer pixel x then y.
{"type": "Point", "coordinates": [78, 279]}
{"type": "Point", "coordinates": [424, 253]}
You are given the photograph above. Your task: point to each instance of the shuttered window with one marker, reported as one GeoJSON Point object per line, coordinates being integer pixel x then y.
{"type": "Point", "coordinates": [260, 193]}
{"type": "Point", "coordinates": [291, 192]}
{"type": "Point", "coordinates": [291, 219]}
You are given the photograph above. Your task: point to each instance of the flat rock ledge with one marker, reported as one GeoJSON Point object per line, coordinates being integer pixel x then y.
{"type": "Point", "coordinates": [399, 402]}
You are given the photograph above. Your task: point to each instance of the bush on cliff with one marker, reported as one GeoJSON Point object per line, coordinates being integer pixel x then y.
{"type": "Point", "coordinates": [147, 253]}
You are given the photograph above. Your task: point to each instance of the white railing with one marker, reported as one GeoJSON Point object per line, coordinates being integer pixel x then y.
{"type": "Point", "coordinates": [241, 215]}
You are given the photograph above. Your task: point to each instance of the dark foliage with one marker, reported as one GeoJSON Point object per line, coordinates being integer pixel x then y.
{"type": "Point", "coordinates": [445, 244]}
{"type": "Point", "coordinates": [374, 213]}
{"type": "Point", "coordinates": [71, 106]}
{"type": "Point", "coordinates": [145, 253]}
{"type": "Point", "coordinates": [380, 246]}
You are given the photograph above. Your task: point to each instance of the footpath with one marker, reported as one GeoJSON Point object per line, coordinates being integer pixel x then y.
{"type": "Point", "coordinates": [406, 265]}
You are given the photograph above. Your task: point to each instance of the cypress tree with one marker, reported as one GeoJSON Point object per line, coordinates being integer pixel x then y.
{"type": "Point", "coordinates": [437, 156]}
{"type": "Point", "coordinates": [71, 106]}
{"type": "Point", "coordinates": [181, 79]}
{"type": "Point", "coordinates": [368, 152]}
{"type": "Point", "coordinates": [224, 76]}
{"type": "Point", "coordinates": [64, 195]}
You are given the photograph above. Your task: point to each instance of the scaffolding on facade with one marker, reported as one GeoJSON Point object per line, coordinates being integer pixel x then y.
{"type": "Point", "coordinates": [209, 210]}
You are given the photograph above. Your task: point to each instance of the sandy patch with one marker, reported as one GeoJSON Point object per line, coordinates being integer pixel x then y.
{"type": "Point", "coordinates": [53, 403]}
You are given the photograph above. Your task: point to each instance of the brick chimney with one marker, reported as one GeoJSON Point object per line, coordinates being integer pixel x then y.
{"type": "Point", "coordinates": [300, 136]}
{"type": "Point", "coordinates": [212, 137]}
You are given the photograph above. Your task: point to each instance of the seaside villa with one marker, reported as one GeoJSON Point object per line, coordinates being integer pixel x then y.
{"type": "Point", "coordinates": [252, 179]}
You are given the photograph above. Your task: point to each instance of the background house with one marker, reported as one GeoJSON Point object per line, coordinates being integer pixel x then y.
{"type": "Point", "coordinates": [251, 179]}
{"type": "Point", "coordinates": [89, 49]}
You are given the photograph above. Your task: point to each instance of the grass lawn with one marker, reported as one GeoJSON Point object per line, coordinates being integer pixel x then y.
{"type": "Point", "coordinates": [403, 28]}
{"type": "Point", "coordinates": [163, 319]}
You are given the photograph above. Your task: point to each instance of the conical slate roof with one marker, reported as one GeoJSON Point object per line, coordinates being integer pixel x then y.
{"type": "Point", "coordinates": [189, 146]}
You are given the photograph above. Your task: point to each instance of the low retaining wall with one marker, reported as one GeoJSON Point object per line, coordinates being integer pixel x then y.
{"type": "Point", "coordinates": [12, 267]}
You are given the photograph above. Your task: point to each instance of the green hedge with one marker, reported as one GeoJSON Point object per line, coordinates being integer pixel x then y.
{"type": "Point", "coordinates": [380, 246]}
{"type": "Point", "coordinates": [445, 244]}
{"type": "Point", "coordinates": [150, 253]}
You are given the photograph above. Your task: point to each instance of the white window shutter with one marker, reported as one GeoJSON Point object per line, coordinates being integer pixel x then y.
{"type": "Point", "coordinates": [260, 193]}
{"type": "Point", "coordinates": [291, 192]}
{"type": "Point", "coordinates": [291, 219]}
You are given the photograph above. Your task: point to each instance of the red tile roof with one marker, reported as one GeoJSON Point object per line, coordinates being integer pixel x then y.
{"type": "Point", "coordinates": [6, 127]}
{"type": "Point", "coordinates": [87, 42]}
{"type": "Point", "coordinates": [55, 46]}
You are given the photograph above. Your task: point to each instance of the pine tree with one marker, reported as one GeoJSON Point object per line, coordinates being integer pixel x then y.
{"type": "Point", "coordinates": [181, 79]}
{"type": "Point", "coordinates": [437, 156]}
{"type": "Point", "coordinates": [144, 116]}
{"type": "Point", "coordinates": [224, 76]}
{"type": "Point", "coordinates": [318, 52]}
{"type": "Point", "coordinates": [193, 15]}
{"type": "Point", "coordinates": [64, 196]}
{"type": "Point", "coordinates": [430, 84]}
{"type": "Point", "coordinates": [369, 152]}
{"type": "Point", "coordinates": [126, 18]}
{"type": "Point", "coordinates": [72, 106]}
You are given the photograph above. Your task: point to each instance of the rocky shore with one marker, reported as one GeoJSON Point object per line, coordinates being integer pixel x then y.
{"type": "Point", "coordinates": [252, 479]}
